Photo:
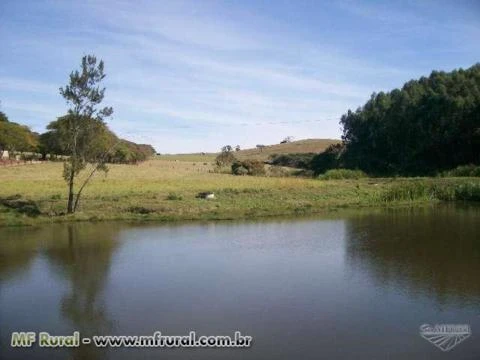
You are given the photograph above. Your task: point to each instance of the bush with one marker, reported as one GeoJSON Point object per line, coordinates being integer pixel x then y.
{"type": "Point", "coordinates": [295, 160]}
{"type": "Point", "coordinates": [463, 170]}
{"type": "Point", "coordinates": [329, 159]}
{"type": "Point", "coordinates": [248, 167]}
{"type": "Point", "coordinates": [226, 158]}
{"type": "Point", "coordinates": [338, 174]}
{"type": "Point", "coordinates": [468, 192]}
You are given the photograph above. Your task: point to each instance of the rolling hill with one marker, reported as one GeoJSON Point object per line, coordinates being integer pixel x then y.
{"type": "Point", "coordinates": [300, 146]}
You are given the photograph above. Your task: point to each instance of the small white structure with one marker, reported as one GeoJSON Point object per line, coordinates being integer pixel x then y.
{"type": "Point", "coordinates": [206, 195]}
{"type": "Point", "coordinates": [4, 154]}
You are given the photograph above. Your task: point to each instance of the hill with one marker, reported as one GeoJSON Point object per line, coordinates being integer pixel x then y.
{"type": "Point", "coordinates": [294, 147]}
{"type": "Point", "coordinates": [300, 146]}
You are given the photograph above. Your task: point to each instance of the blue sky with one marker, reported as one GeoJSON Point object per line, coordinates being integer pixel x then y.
{"type": "Point", "coordinates": [195, 75]}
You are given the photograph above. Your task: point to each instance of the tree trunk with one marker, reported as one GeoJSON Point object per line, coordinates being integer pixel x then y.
{"type": "Point", "coordinates": [70, 207]}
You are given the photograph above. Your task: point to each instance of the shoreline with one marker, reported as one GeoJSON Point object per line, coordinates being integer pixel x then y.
{"type": "Point", "coordinates": [25, 221]}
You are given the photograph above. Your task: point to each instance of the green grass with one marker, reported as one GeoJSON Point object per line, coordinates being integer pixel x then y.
{"type": "Point", "coordinates": [463, 171]}
{"type": "Point", "coordinates": [166, 190]}
{"type": "Point", "coordinates": [341, 174]}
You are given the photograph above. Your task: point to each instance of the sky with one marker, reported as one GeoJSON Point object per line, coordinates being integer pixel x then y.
{"type": "Point", "coordinates": [192, 76]}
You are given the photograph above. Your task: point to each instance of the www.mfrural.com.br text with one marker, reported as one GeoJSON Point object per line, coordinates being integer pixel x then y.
{"type": "Point", "coordinates": [157, 339]}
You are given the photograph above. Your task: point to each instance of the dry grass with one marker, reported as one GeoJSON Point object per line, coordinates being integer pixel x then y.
{"type": "Point", "coordinates": [300, 146]}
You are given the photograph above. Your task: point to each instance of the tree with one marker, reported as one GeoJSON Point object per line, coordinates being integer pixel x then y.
{"type": "Point", "coordinates": [237, 148]}
{"type": "Point", "coordinates": [82, 133]}
{"type": "Point", "coordinates": [328, 159]}
{"type": "Point", "coordinates": [15, 137]}
{"type": "Point", "coordinates": [287, 140]}
{"type": "Point", "coordinates": [227, 148]}
{"type": "Point", "coordinates": [429, 125]}
{"type": "Point", "coordinates": [226, 157]}
{"type": "Point", "coordinates": [261, 147]}
{"type": "Point", "coordinates": [3, 116]}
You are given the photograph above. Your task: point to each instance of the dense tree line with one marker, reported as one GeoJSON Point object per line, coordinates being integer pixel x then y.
{"type": "Point", "coordinates": [106, 143]}
{"type": "Point", "coordinates": [127, 152]}
{"type": "Point", "coordinates": [429, 125]}
{"type": "Point", "coordinates": [16, 137]}
{"type": "Point", "coordinates": [19, 138]}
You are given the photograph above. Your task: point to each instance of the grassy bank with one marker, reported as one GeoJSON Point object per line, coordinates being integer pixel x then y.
{"type": "Point", "coordinates": [166, 190]}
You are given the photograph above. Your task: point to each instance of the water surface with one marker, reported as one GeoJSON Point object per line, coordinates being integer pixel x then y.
{"type": "Point", "coordinates": [350, 286]}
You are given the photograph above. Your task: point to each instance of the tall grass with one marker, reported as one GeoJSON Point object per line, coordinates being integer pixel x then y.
{"type": "Point", "coordinates": [463, 171]}
{"type": "Point", "coordinates": [426, 189]}
{"type": "Point", "coordinates": [340, 174]}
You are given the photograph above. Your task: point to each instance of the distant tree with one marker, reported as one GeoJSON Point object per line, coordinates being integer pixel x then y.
{"type": "Point", "coordinates": [260, 147]}
{"type": "Point", "coordinates": [328, 159]}
{"type": "Point", "coordinates": [3, 117]}
{"type": "Point", "coordinates": [226, 157]}
{"type": "Point", "coordinates": [287, 140]}
{"type": "Point", "coordinates": [237, 148]}
{"type": "Point", "coordinates": [15, 137]}
{"type": "Point", "coordinates": [82, 133]}
{"type": "Point", "coordinates": [227, 148]}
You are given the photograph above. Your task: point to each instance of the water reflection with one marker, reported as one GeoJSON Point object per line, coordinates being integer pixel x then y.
{"type": "Point", "coordinates": [16, 256]}
{"type": "Point", "coordinates": [425, 252]}
{"type": "Point", "coordinates": [79, 255]}
{"type": "Point", "coordinates": [82, 256]}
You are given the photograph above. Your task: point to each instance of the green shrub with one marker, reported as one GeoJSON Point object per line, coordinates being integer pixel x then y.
{"type": "Point", "coordinates": [248, 167]}
{"type": "Point", "coordinates": [468, 192]}
{"type": "Point", "coordinates": [338, 174]}
{"type": "Point", "coordinates": [225, 158]}
{"type": "Point", "coordinates": [463, 170]}
{"type": "Point", "coordinates": [331, 158]}
{"type": "Point", "coordinates": [295, 160]}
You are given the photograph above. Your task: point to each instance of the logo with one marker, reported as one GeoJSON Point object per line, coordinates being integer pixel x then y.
{"type": "Point", "coordinates": [445, 336]}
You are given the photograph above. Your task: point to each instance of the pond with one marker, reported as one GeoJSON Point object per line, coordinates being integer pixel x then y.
{"type": "Point", "coordinates": [353, 285]}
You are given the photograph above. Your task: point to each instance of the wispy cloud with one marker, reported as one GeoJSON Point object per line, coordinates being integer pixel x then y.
{"type": "Point", "coordinates": [194, 75]}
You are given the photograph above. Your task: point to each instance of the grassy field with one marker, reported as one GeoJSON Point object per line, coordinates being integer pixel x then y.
{"type": "Point", "coordinates": [166, 190]}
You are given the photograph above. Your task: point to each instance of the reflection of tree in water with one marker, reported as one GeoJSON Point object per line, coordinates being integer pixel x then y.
{"type": "Point", "coordinates": [82, 254]}
{"type": "Point", "coordinates": [431, 251]}
{"type": "Point", "coordinates": [18, 248]}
